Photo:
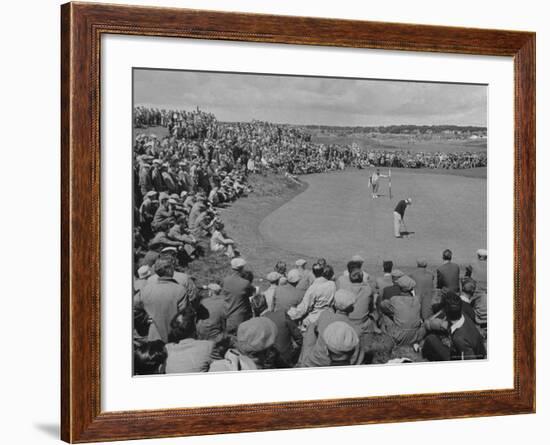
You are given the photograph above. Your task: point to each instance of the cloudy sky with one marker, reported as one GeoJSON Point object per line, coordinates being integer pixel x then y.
{"type": "Point", "coordinates": [312, 100]}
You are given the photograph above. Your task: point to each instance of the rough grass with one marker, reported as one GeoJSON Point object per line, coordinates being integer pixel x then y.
{"type": "Point", "coordinates": [241, 219]}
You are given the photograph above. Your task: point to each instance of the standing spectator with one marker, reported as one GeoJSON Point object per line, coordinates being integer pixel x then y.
{"type": "Point", "coordinates": [385, 280]}
{"type": "Point", "coordinates": [273, 278]}
{"type": "Point", "coordinates": [163, 299]}
{"type": "Point", "coordinates": [307, 276]}
{"type": "Point", "coordinates": [237, 291]}
{"type": "Point", "coordinates": [424, 287]}
{"type": "Point", "coordinates": [211, 314]}
{"type": "Point", "coordinates": [448, 274]}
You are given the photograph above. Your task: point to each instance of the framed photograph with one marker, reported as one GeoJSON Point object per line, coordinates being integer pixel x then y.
{"type": "Point", "coordinates": [275, 222]}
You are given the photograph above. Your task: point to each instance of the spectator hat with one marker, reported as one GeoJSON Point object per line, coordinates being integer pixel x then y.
{"type": "Point", "coordinates": [343, 300]}
{"type": "Point", "coordinates": [357, 259]}
{"type": "Point", "coordinates": [340, 337]}
{"type": "Point", "coordinates": [273, 277]}
{"type": "Point", "coordinates": [214, 287]}
{"type": "Point", "coordinates": [238, 263]}
{"type": "Point", "coordinates": [256, 334]}
{"type": "Point", "coordinates": [150, 194]}
{"type": "Point", "coordinates": [301, 262]}
{"type": "Point", "coordinates": [396, 274]}
{"type": "Point", "coordinates": [293, 276]}
{"type": "Point", "coordinates": [169, 249]}
{"type": "Point", "coordinates": [421, 262]}
{"type": "Point", "coordinates": [482, 253]}
{"type": "Point", "coordinates": [144, 272]}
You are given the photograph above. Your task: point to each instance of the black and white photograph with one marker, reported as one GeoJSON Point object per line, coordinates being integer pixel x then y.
{"type": "Point", "coordinates": [285, 221]}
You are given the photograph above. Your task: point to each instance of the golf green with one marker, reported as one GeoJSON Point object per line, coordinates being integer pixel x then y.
{"type": "Point", "coordinates": [336, 217]}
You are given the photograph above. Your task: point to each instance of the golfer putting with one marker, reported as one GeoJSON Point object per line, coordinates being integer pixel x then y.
{"type": "Point", "coordinates": [399, 218]}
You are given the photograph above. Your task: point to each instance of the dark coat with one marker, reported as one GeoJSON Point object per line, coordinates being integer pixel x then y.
{"type": "Point", "coordinates": [467, 342]}
{"type": "Point", "coordinates": [287, 296]}
{"type": "Point", "coordinates": [448, 275]}
{"type": "Point", "coordinates": [237, 292]}
{"type": "Point", "coordinates": [287, 331]}
{"type": "Point", "coordinates": [424, 289]}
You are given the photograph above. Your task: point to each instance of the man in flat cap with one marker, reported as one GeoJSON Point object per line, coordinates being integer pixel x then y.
{"type": "Point", "coordinates": [424, 287]}
{"type": "Point", "coordinates": [307, 276]}
{"type": "Point", "coordinates": [288, 295]}
{"type": "Point", "coordinates": [477, 270]}
{"type": "Point", "coordinates": [211, 314]}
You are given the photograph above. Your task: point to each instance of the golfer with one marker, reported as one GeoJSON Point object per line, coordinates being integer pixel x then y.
{"type": "Point", "coordinates": [399, 215]}
{"type": "Point", "coordinates": [374, 178]}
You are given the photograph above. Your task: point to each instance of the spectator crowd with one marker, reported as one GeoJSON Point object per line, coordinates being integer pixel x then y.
{"type": "Point", "coordinates": [306, 316]}
{"type": "Point", "coordinates": [262, 145]}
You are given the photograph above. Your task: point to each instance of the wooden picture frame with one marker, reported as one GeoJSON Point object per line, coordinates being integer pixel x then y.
{"type": "Point", "coordinates": [82, 26]}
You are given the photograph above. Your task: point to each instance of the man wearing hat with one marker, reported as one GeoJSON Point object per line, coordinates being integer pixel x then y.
{"type": "Point", "coordinates": [147, 211]}
{"type": "Point", "coordinates": [211, 314]}
{"type": "Point", "coordinates": [401, 314]}
{"type": "Point", "coordinates": [477, 270]}
{"type": "Point", "coordinates": [273, 278]}
{"type": "Point", "coordinates": [318, 297]}
{"type": "Point", "coordinates": [164, 214]}
{"type": "Point", "coordinates": [339, 345]}
{"type": "Point", "coordinates": [307, 276]}
{"type": "Point", "coordinates": [145, 183]}
{"type": "Point", "coordinates": [237, 292]}
{"type": "Point", "coordinates": [288, 295]}
{"type": "Point", "coordinates": [424, 287]}
{"type": "Point", "coordinates": [399, 215]}
{"type": "Point", "coordinates": [254, 337]}
{"type": "Point", "coordinates": [289, 337]}
{"type": "Point", "coordinates": [140, 282]}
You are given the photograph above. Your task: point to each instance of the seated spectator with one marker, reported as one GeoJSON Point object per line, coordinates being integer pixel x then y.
{"type": "Point", "coordinates": [288, 295]}
{"type": "Point", "coordinates": [318, 297]}
{"type": "Point", "coordinates": [401, 317]}
{"type": "Point", "coordinates": [363, 315]}
{"type": "Point", "coordinates": [289, 338]}
{"type": "Point", "coordinates": [464, 342]}
{"type": "Point", "coordinates": [219, 242]}
{"type": "Point", "coordinates": [150, 358]}
{"type": "Point", "coordinates": [185, 354]}
{"type": "Point", "coordinates": [339, 345]}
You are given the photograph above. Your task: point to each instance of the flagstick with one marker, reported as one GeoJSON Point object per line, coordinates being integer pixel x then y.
{"type": "Point", "coordinates": [390, 181]}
